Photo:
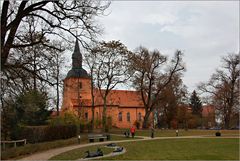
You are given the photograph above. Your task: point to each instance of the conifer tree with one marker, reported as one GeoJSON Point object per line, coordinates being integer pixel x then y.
{"type": "Point", "coordinates": [196, 104]}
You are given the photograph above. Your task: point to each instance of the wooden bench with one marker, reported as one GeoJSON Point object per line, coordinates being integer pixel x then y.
{"type": "Point", "coordinates": [100, 137]}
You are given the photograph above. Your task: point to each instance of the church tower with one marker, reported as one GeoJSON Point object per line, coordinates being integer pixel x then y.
{"type": "Point", "coordinates": [76, 84]}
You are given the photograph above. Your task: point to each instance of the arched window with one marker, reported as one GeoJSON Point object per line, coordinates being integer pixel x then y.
{"type": "Point", "coordinates": [128, 116]}
{"type": "Point", "coordinates": [139, 116]}
{"type": "Point", "coordinates": [97, 115]}
{"type": "Point", "coordinates": [80, 85]}
{"type": "Point", "coordinates": [86, 116]}
{"type": "Point", "coordinates": [120, 116]}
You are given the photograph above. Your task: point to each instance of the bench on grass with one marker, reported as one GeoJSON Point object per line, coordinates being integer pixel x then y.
{"type": "Point", "coordinates": [100, 137]}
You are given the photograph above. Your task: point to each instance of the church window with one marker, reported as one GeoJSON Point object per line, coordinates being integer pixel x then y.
{"type": "Point", "coordinates": [86, 115]}
{"type": "Point", "coordinates": [128, 116]}
{"type": "Point", "coordinates": [80, 85]}
{"type": "Point", "coordinates": [139, 116]}
{"type": "Point", "coordinates": [120, 116]}
{"type": "Point", "coordinates": [97, 115]}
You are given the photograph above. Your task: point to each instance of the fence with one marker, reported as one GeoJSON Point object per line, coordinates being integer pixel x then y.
{"type": "Point", "coordinates": [14, 142]}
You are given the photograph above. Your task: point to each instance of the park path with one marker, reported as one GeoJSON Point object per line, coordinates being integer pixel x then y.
{"type": "Point", "coordinates": [46, 155]}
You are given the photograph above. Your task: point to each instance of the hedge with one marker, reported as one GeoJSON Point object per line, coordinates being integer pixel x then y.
{"type": "Point", "coordinates": [36, 134]}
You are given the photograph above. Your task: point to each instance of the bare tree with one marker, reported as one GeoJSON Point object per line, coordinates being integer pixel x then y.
{"type": "Point", "coordinates": [56, 64]}
{"type": "Point", "coordinates": [91, 61]}
{"type": "Point", "coordinates": [149, 76]}
{"type": "Point", "coordinates": [32, 67]}
{"type": "Point", "coordinates": [53, 17]}
{"type": "Point", "coordinates": [111, 69]}
{"type": "Point", "coordinates": [223, 88]}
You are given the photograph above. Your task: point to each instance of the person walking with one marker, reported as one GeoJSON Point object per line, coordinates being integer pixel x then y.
{"type": "Point", "coordinates": [152, 132]}
{"type": "Point", "coordinates": [132, 130]}
{"type": "Point", "coordinates": [177, 132]}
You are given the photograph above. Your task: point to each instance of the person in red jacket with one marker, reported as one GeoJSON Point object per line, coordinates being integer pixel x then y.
{"type": "Point", "coordinates": [133, 130]}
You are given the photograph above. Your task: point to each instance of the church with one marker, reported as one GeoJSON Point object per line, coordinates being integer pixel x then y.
{"type": "Point", "coordinates": [124, 107]}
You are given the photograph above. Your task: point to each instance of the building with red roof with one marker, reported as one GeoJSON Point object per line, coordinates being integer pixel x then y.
{"type": "Point", "coordinates": [124, 107]}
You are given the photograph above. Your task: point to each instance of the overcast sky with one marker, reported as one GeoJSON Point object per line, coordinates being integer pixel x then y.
{"type": "Point", "coordinates": [204, 30]}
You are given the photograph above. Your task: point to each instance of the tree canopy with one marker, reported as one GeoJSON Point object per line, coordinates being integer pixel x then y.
{"type": "Point", "coordinates": [223, 88]}
{"type": "Point", "coordinates": [53, 18]}
{"type": "Point", "coordinates": [151, 73]}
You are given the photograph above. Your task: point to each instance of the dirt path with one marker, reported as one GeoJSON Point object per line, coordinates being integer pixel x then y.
{"type": "Point", "coordinates": [52, 152]}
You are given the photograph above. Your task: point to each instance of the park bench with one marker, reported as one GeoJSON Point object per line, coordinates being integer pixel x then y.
{"type": "Point", "coordinates": [100, 137]}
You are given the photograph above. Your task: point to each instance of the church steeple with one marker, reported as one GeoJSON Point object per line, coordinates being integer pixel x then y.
{"type": "Point", "coordinates": [76, 57]}
{"type": "Point", "coordinates": [77, 70]}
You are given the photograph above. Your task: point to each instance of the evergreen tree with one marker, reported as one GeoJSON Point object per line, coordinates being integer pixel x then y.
{"type": "Point", "coordinates": [32, 108]}
{"type": "Point", "coordinates": [196, 104]}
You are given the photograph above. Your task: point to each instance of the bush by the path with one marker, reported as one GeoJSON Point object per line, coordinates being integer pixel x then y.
{"type": "Point", "coordinates": [36, 134]}
{"type": "Point", "coordinates": [14, 153]}
{"type": "Point", "coordinates": [19, 152]}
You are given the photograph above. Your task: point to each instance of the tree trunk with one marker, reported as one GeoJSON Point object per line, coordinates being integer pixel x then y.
{"type": "Point", "coordinates": [169, 124]}
{"type": "Point", "coordinates": [92, 94]}
{"type": "Point", "coordinates": [145, 120]}
{"type": "Point", "coordinates": [104, 113]}
{"type": "Point", "coordinates": [34, 69]}
{"type": "Point", "coordinates": [226, 122]}
{"type": "Point", "coordinates": [57, 103]}
{"type": "Point", "coordinates": [92, 121]}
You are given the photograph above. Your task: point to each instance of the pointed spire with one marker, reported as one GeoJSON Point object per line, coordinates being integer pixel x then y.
{"type": "Point", "coordinates": [77, 71]}
{"type": "Point", "coordinates": [76, 57]}
{"type": "Point", "coordinates": [76, 49]}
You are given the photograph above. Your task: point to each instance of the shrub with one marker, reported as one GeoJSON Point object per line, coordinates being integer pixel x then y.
{"type": "Point", "coordinates": [33, 148]}
{"type": "Point", "coordinates": [82, 127]}
{"type": "Point", "coordinates": [108, 124]}
{"type": "Point", "coordinates": [98, 123]}
{"type": "Point", "coordinates": [218, 133]}
{"type": "Point", "coordinates": [89, 127]}
{"type": "Point", "coordinates": [35, 134]}
{"type": "Point", "coordinates": [15, 132]}
{"type": "Point", "coordinates": [68, 118]}
{"type": "Point", "coordinates": [137, 124]}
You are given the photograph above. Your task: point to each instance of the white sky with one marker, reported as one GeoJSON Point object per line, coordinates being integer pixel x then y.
{"type": "Point", "coordinates": [204, 30]}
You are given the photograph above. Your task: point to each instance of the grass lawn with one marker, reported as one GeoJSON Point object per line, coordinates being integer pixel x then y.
{"type": "Point", "coordinates": [169, 149]}
{"type": "Point", "coordinates": [182, 149]}
{"type": "Point", "coordinates": [172, 133]}
{"type": "Point", "coordinates": [22, 151]}
{"type": "Point", "coordinates": [80, 153]}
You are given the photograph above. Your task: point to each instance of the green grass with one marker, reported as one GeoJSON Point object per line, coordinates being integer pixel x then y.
{"type": "Point", "coordinates": [181, 149]}
{"type": "Point", "coordinates": [22, 151]}
{"type": "Point", "coordinates": [169, 149]}
{"type": "Point", "coordinates": [80, 153]}
{"type": "Point", "coordinates": [172, 133]}
{"type": "Point", "coordinates": [19, 152]}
